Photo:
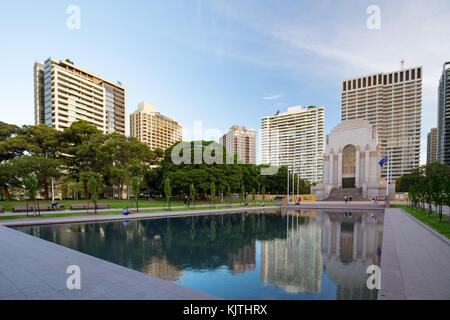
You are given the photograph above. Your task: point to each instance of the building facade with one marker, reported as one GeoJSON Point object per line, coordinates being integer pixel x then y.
{"type": "Point", "coordinates": [392, 103]}
{"type": "Point", "coordinates": [432, 146]}
{"type": "Point", "coordinates": [443, 128]}
{"type": "Point", "coordinates": [154, 128]}
{"type": "Point", "coordinates": [295, 139]}
{"type": "Point", "coordinates": [64, 93]}
{"type": "Point", "coordinates": [240, 141]}
{"type": "Point", "coordinates": [351, 160]}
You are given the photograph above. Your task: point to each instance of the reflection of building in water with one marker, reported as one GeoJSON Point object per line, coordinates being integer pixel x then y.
{"type": "Point", "coordinates": [244, 260]}
{"type": "Point", "coordinates": [350, 243]}
{"type": "Point", "coordinates": [161, 268]}
{"type": "Point", "coordinates": [293, 263]}
{"type": "Point", "coordinates": [158, 266]}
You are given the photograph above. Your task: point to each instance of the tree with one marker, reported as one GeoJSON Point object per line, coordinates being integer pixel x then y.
{"type": "Point", "coordinates": [192, 193]}
{"type": "Point", "coordinates": [167, 191]}
{"type": "Point", "coordinates": [253, 194]}
{"type": "Point", "coordinates": [263, 193]}
{"type": "Point", "coordinates": [437, 194]}
{"type": "Point", "coordinates": [30, 184]}
{"type": "Point", "coordinates": [228, 196]}
{"type": "Point", "coordinates": [135, 188]}
{"type": "Point", "coordinates": [92, 185]}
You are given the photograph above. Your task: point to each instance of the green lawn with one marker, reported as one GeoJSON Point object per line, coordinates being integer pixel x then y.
{"type": "Point", "coordinates": [81, 214]}
{"type": "Point", "coordinates": [431, 221]}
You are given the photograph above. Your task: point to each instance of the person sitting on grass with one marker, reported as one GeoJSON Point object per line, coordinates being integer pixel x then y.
{"type": "Point", "coordinates": [125, 211]}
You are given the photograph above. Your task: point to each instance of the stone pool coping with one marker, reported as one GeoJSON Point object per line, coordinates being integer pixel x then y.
{"type": "Point", "coordinates": [35, 269]}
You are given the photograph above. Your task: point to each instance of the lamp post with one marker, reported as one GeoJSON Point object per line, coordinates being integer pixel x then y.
{"type": "Point", "coordinates": [53, 190]}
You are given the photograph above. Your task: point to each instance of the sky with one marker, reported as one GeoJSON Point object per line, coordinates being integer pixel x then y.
{"type": "Point", "coordinates": [221, 63]}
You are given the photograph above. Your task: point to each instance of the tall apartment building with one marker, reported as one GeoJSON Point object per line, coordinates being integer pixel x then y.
{"type": "Point", "coordinates": [64, 93]}
{"type": "Point", "coordinates": [240, 141]}
{"type": "Point", "coordinates": [392, 103]}
{"type": "Point", "coordinates": [295, 139]}
{"type": "Point", "coordinates": [443, 127]}
{"type": "Point", "coordinates": [432, 146]}
{"type": "Point", "coordinates": [154, 128]}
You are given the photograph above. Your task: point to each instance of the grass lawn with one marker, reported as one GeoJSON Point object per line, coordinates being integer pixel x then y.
{"type": "Point", "coordinates": [431, 221]}
{"type": "Point", "coordinates": [119, 204]}
{"type": "Point", "coordinates": [81, 214]}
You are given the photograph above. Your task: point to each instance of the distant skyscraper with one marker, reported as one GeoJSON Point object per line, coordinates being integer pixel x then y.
{"type": "Point", "coordinates": [295, 139]}
{"type": "Point", "coordinates": [443, 128]}
{"type": "Point", "coordinates": [240, 141]}
{"type": "Point", "coordinates": [64, 93]}
{"type": "Point", "coordinates": [432, 146]}
{"type": "Point", "coordinates": [392, 102]}
{"type": "Point", "coordinates": [153, 128]}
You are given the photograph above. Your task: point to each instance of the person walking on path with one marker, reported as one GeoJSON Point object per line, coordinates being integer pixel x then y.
{"type": "Point", "coordinates": [345, 199]}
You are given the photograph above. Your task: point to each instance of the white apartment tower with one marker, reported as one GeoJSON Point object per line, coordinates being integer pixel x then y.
{"type": "Point", "coordinates": [296, 139]}
{"type": "Point", "coordinates": [392, 103]}
{"type": "Point", "coordinates": [64, 93]}
{"type": "Point", "coordinates": [240, 141]}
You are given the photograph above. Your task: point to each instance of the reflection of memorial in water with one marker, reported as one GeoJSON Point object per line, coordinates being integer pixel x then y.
{"type": "Point", "coordinates": [294, 262]}
{"type": "Point", "coordinates": [350, 243]}
{"type": "Point", "coordinates": [244, 260]}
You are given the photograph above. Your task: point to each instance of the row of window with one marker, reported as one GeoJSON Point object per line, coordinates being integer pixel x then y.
{"type": "Point", "coordinates": [381, 79]}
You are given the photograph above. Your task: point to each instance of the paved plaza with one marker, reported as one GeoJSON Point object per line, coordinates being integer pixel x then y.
{"type": "Point", "coordinates": [414, 261]}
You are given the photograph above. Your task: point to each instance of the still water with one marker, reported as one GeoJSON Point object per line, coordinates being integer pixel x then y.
{"type": "Point", "coordinates": [259, 255]}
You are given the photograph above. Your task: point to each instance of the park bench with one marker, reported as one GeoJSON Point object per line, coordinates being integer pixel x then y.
{"type": "Point", "coordinates": [81, 206]}
{"type": "Point", "coordinates": [42, 207]}
{"type": "Point", "coordinates": [22, 208]}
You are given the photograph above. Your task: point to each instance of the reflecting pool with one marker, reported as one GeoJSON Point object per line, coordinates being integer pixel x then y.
{"type": "Point", "coordinates": [271, 254]}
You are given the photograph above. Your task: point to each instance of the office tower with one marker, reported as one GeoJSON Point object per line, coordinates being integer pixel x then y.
{"type": "Point", "coordinates": [295, 139]}
{"type": "Point", "coordinates": [443, 128]}
{"type": "Point", "coordinates": [153, 128]}
{"type": "Point", "coordinates": [392, 102]}
{"type": "Point", "coordinates": [64, 93]}
{"type": "Point", "coordinates": [240, 141]}
{"type": "Point", "coordinates": [432, 146]}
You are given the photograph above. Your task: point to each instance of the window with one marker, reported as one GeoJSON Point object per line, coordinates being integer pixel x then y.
{"type": "Point", "coordinates": [419, 73]}
{"type": "Point", "coordinates": [413, 74]}
{"type": "Point", "coordinates": [379, 79]}
{"type": "Point", "coordinates": [354, 84]}
{"type": "Point", "coordinates": [401, 76]}
{"type": "Point", "coordinates": [396, 78]}
{"type": "Point", "coordinates": [364, 82]}
{"type": "Point", "coordinates": [385, 79]}
{"type": "Point", "coordinates": [390, 78]}
{"type": "Point", "coordinates": [407, 76]}
{"type": "Point", "coordinates": [374, 80]}
{"type": "Point", "coordinates": [370, 81]}
{"type": "Point", "coordinates": [344, 87]}
{"type": "Point", "coordinates": [359, 83]}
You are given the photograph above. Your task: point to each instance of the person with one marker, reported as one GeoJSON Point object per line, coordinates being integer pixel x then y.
{"type": "Point", "coordinates": [125, 211]}
{"type": "Point", "coordinates": [54, 205]}
{"type": "Point", "coordinates": [350, 198]}
{"type": "Point", "coordinates": [345, 199]}
{"type": "Point", "coordinates": [373, 200]}
{"type": "Point", "coordinates": [376, 200]}
{"type": "Point", "coordinates": [185, 201]}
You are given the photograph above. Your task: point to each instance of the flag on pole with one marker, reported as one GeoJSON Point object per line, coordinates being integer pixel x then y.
{"type": "Point", "coordinates": [383, 161]}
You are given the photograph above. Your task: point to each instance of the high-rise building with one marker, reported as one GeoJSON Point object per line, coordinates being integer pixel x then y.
{"type": "Point", "coordinates": [240, 141]}
{"type": "Point", "coordinates": [64, 93]}
{"type": "Point", "coordinates": [443, 127]}
{"type": "Point", "coordinates": [432, 146]}
{"type": "Point", "coordinates": [392, 102]}
{"type": "Point", "coordinates": [153, 128]}
{"type": "Point", "coordinates": [295, 139]}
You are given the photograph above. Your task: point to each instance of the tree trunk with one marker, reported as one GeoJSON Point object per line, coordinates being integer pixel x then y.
{"type": "Point", "coordinates": [46, 192]}
{"type": "Point", "coordinates": [86, 194]}
{"type": "Point", "coordinates": [6, 191]}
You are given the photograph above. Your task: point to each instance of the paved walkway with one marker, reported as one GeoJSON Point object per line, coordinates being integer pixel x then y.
{"type": "Point", "coordinates": [32, 268]}
{"type": "Point", "coordinates": [415, 259]}
{"type": "Point", "coordinates": [120, 217]}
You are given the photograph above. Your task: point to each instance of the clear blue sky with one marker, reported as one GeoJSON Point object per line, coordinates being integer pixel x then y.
{"type": "Point", "coordinates": [224, 62]}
